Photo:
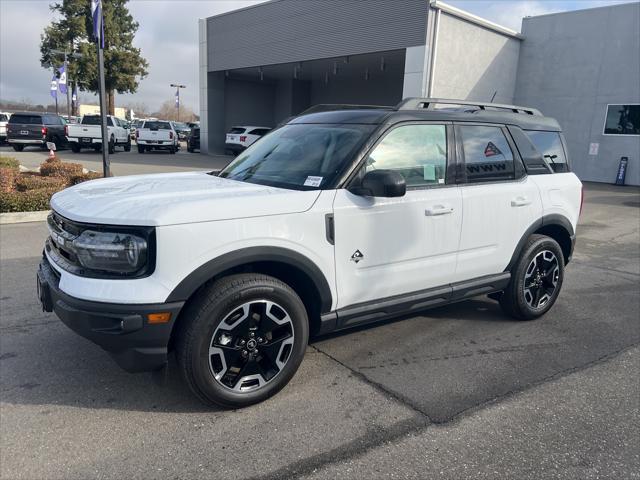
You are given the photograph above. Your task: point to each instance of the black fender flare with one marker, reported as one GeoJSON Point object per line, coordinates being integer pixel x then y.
{"type": "Point", "coordinates": [245, 256]}
{"type": "Point", "coordinates": [553, 219]}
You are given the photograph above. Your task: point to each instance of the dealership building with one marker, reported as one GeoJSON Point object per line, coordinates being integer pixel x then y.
{"type": "Point", "coordinates": [263, 64]}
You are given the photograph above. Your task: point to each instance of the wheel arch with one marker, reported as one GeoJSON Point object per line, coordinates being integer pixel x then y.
{"type": "Point", "coordinates": [293, 268]}
{"type": "Point", "coordinates": [554, 226]}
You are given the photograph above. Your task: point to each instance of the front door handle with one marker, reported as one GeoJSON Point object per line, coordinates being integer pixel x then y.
{"type": "Point", "coordinates": [521, 201]}
{"type": "Point", "coordinates": [438, 210]}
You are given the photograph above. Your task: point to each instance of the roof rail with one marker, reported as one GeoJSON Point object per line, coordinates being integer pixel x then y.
{"type": "Point", "coordinates": [326, 107]}
{"type": "Point", "coordinates": [415, 103]}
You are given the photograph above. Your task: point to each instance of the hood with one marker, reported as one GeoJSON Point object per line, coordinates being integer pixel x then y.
{"type": "Point", "coordinates": [175, 198]}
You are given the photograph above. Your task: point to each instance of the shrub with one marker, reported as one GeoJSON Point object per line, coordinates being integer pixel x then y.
{"type": "Point", "coordinates": [33, 182]}
{"type": "Point", "coordinates": [84, 177]}
{"type": "Point", "coordinates": [30, 201]}
{"type": "Point", "coordinates": [9, 162]}
{"type": "Point", "coordinates": [60, 169]}
{"type": "Point", "coordinates": [7, 178]}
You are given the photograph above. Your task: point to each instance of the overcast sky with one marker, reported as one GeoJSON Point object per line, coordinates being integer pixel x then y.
{"type": "Point", "coordinates": [168, 37]}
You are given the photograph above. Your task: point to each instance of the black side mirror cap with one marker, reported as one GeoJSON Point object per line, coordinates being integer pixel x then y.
{"type": "Point", "coordinates": [381, 183]}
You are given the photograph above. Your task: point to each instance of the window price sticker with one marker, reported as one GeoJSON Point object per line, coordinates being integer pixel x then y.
{"type": "Point", "coordinates": [313, 181]}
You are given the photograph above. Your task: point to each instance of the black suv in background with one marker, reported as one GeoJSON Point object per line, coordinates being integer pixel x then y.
{"type": "Point", "coordinates": [193, 140]}
{"type": "Point", "coordinates": [36, 129]}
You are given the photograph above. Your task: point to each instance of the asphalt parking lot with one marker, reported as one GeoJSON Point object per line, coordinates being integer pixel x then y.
{"type": "Point", "coordinates": [457, 392]}
{"type": "Point", "coordinates": [125, 163]}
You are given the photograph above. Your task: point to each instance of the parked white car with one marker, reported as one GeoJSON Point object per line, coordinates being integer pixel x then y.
{"type": "Point", "coordinates": [4, 119]}
{"type": "Point", "coordinates": [157, 135]}
{"type": "Point", "coordinates": [335, 219]}
{"type": "Point", "coordinates": [242, 137]}
{"type": "Point", "coordinates": [88, 134]}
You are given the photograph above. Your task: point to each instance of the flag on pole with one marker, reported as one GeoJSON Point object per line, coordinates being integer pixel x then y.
{"type": "Point", "coordinates": [62, 81]}
{"type": "Point", "coordinates": [177, 98]}
{"type": "Point", "coordinates": [98, 21]}
{"type": "Point", "coordinates": [74, 94]}
{"type": "Point", "coordinates": [54, 86]}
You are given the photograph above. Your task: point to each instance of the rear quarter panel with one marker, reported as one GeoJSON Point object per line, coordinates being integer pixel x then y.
{"type": "Point", "coordinates": [561, 194]}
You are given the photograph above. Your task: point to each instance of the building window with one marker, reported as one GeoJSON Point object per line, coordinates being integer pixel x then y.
{"type": "Point", "coordinates": [622, 120]}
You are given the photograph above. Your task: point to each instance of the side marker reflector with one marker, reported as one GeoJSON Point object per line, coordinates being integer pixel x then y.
{"type": "Point", "coordinates": [162, 317]}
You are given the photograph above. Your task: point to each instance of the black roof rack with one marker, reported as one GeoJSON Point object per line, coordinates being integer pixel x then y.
{"type": "Point", "coordinates": [415, 103]}
{"type": "Point", "coordinates": [327, 107]}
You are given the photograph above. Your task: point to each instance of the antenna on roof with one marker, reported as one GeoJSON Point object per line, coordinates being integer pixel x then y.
{"type": "Point", "coordinates": [494, 96]}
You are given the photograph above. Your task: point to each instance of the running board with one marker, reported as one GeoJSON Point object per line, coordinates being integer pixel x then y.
{"type": "Point", "coordinates": [377, 310]}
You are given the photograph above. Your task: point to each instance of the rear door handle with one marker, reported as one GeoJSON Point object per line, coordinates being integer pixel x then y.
{"type": "Point", "coordinates": [438, 210]}
{"type": "Point", "coordinates": [520, 202]}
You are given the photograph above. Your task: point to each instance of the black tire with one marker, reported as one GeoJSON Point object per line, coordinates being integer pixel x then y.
{"type": "Point", "coordinates": [127, 146]}
{"type": "Point", "coordinates": [112, 146]}
{"type": "Point", "coordinates": [141, 149]}
{"type": "Point", "coordinates": [173, 150]}
{"type": "Point", "coordinates": [18, 148]}
{"type": "Point", "coordinates": [536, 279]}
{"type": "Point", "coordinates": [189, 149]}
{"type": "Point", "coordinates": [212, 307]}
{"type": "Point", "coordinates": [75, 148]}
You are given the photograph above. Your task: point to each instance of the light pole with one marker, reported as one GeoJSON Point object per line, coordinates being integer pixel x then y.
{"type": "Point", "coordinates": [178, 87]}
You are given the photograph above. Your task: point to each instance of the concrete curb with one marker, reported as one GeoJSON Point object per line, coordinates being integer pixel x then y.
{"type": "Point", "coordinates": [23, 217]}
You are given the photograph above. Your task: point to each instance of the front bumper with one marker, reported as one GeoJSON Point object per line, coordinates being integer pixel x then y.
{"type": "Point", "coordinates": [122, 330]}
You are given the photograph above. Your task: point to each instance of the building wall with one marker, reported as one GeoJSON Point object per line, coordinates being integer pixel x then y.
{"type": "Point", "coordinates": [573, 64]}
{"type": "Point", "coordinates": [284, 31]}
{"type": "Point", "coordinates": [473, 62]}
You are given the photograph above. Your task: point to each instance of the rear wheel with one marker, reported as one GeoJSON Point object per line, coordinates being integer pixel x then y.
{"type": "Point", "coordinates": [75, 148]}
{"type": "Point", "coordinates": [172, 150]}
{"type": "Point", "coordinates": [140, 149]}
{"type": "Point", "coordinates": [243, 339]}
{"type": "Point", "coordinates": [127, 146]}
{"type": "Point", "coordinates": [536, 280]}
{"type": "Point", "coordinates": [18, 148]}
{"type": "Point", "coordinates": [112, 146]}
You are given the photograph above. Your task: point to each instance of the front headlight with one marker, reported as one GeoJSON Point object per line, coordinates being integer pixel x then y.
{"type": "Point", "coordinates": [111, 251]}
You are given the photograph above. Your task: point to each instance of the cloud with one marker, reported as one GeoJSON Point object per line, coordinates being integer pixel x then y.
{"type": "Point", "coordinates": [168, 37]}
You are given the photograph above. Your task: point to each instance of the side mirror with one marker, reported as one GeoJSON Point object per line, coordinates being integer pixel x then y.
{"type": "Point", "coordinates": [381, 183]}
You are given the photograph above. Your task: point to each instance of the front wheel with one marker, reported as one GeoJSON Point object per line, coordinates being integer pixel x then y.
{"type": "Point", "coordinates": [127, 146]}
{"type": "Point", "coordinates": [536, 279]}
{"type": "Point", "coordinates": [141, 149]}
{"type": "Point", "coordinates": [242, 340]}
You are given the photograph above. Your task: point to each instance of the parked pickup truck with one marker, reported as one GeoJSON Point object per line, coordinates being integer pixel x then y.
{"type": "Point", "coordinates": [88, 134]}
{"type": "Point", "coordinates": [157, 135]}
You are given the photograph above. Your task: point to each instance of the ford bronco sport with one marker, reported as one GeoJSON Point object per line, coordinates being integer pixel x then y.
{"type": "Point", "coordinates": [342, 216]}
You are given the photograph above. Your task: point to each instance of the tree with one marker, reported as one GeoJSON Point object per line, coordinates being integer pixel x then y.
{"type": "Point", "coordinates": [123, 63]}
{"type": "Point", "coordinates": [168, 111]}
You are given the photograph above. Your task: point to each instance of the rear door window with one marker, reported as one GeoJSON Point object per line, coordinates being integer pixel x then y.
{"type": "Point", "coordinates": [487, 154]}
{"type": "Point", "coordinates": [549, 144]}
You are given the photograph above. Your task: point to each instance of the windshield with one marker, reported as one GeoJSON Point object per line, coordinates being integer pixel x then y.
{"type": "Point", "coordinates": [300, 157]}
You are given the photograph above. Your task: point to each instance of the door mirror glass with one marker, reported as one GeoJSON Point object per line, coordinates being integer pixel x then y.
{"type": "Point", "coordinates": [381, 183]}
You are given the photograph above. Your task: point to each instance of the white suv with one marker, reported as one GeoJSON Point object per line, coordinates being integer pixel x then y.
{"type": "Point", "coordinates": [338, 218]}
{"type": "Point", "coordinates": [240, 138]}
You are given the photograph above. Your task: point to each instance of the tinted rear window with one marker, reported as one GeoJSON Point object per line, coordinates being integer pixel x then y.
{"type": "Point", "coordinates": [259, 131]}
{"type": "Point", "coordinates": [157, 125]}
{"type": "Point", "coordinates": [95, 120]}
{"type": "Point", "coordinates": [26, 119]}
{"type": "Point", "coordinates": [237, 130]}
{"type": "Point", "coordinates": [549, 145]}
